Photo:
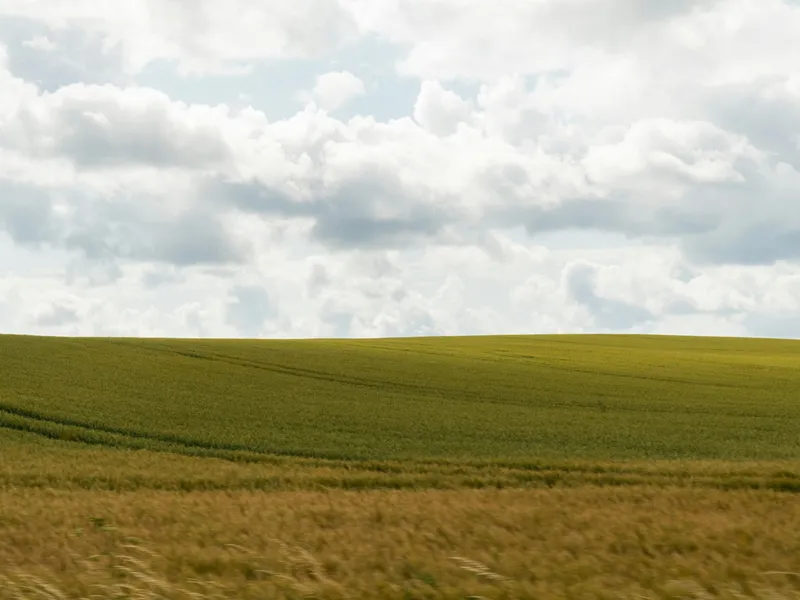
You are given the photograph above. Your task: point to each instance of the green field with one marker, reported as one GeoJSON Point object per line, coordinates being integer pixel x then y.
{"type": "Point", "coordinates": [381, 468]}
{"type": "Point", "coordinates": [505, 398]}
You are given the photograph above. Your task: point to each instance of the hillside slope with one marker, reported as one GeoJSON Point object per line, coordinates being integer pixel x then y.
{"type": "Point", "coordinates": [509, 397]}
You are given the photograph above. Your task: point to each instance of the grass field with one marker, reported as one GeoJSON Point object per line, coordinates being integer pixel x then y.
{"type": "Point", "coordinates": [568, 466]}
{"type": "Point", "coordinates": [459, 398]}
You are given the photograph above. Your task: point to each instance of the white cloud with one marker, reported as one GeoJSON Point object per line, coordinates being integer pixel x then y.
{"type": "Point", "coordinates": [335, 89]}
{"type": "Point", "coordinates": [439, 110]}
{"type": "Point", "coordinates": [732, 39]}
{"type": "Point", "coordinates": [40, 42]}
{"type": "Point", "coordinates": [588, 165]}
{"type": "Point", "coordinates": [98, 126]}
{"type": "Point", "coordinates": [204, 36]}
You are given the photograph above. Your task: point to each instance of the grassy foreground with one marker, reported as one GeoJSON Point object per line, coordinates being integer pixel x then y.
{"type": "Point", "coordinates": [503, 467]}
{"type": "Point", "coordinates": [555, 543]}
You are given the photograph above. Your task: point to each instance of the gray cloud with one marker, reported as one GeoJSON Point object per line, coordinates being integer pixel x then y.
{"type": "Point", "coordinates": [579, 281]}
{"type": "Point", "coordinates": [618, 216]}
{"type": "Point", "coordinates": [750, 221]}
{"type": "Point", "coordinates": [104, 230]}
{"type": "Point", "coordinates": [77, 56]}
{"type": "Point", "coordinates": [726, 236]}
{"type": "Point", "coordinates": [187, 238]}
{"type": "Point", "coordinates": [26, 213]}
{"type": "Point", "coordinates": [317, 281]}
{"type": "Point", "coordinates": [369, 210]}
{"type": "Point", "coordinates": [764, 110]}
{"type": "Point", "coordinates": [727, 222]}
{"type": "Point", "coordinates": [161, 275]}
{"type": "Point", "coordinates": [758, 222]}
{"type": "Point", "coordinates": [57, 316]}
{"type": "Point", "coordinates": [755, 243]}
{"type": "Point", "coordinates": [351, 216]}
{"type": "Point", "coordinates": [91, 127]}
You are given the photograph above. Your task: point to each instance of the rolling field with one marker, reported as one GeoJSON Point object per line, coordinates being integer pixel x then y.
{"type": "Point", "coordinates": [503, 398]}
{"type": "Point", "coordinates": [568, 466]}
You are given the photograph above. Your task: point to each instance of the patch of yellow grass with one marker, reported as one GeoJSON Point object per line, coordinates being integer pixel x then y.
{"type": "Point", "coordinates": [588, 542]}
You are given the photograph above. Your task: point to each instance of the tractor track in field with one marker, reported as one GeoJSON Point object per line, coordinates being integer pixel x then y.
{"type": "Point", "coordinates": [427, 391]}
{"type": "Point", "coordinates": [426, 474]}
{"type": "Point", "coordinates": [63, 429]}
{"type": "Point", "coordinates": [305, 373]}
{"type": "Point", "coordinates": [545, 473]}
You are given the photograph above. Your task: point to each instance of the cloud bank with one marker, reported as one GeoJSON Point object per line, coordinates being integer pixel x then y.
{"type": "Point", "coordinates": [216, 169]}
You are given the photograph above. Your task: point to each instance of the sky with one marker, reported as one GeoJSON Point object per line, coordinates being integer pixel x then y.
{"type": "Point", "coordinates": [373, 168]}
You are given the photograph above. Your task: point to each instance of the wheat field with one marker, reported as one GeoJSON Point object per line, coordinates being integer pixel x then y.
{"type": "Point", "coordinates": [500, 467]}
{"type": "Point", "coordinates": [586, 542]}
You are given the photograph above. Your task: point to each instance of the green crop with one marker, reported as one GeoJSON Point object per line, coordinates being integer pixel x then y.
{"type": "Point", "coordinates": [511, 398]}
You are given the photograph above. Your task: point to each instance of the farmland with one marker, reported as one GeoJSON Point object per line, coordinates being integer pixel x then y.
{"type": "Point", "coordinates": [460, 398]}
{"type": "Point", "coordinates": [621, 462]}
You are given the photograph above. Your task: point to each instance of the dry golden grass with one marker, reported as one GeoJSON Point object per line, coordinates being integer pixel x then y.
{"type": "Point", "coordinates": [585, 542]}
{"type": "Point", "coordinates": [80, 521]}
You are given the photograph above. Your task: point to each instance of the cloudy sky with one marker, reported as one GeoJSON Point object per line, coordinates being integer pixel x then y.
{"type": "Point", "coordinates": [359, 168]}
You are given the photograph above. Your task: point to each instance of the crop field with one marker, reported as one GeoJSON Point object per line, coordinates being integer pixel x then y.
{"type": "Point", "coordinates": [501, 398]}
{"type": "Point", "coordinates": [493, 467]}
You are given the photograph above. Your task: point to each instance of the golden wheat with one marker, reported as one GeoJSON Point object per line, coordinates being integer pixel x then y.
{"type": "Point", "coordinates": [587, 542]}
